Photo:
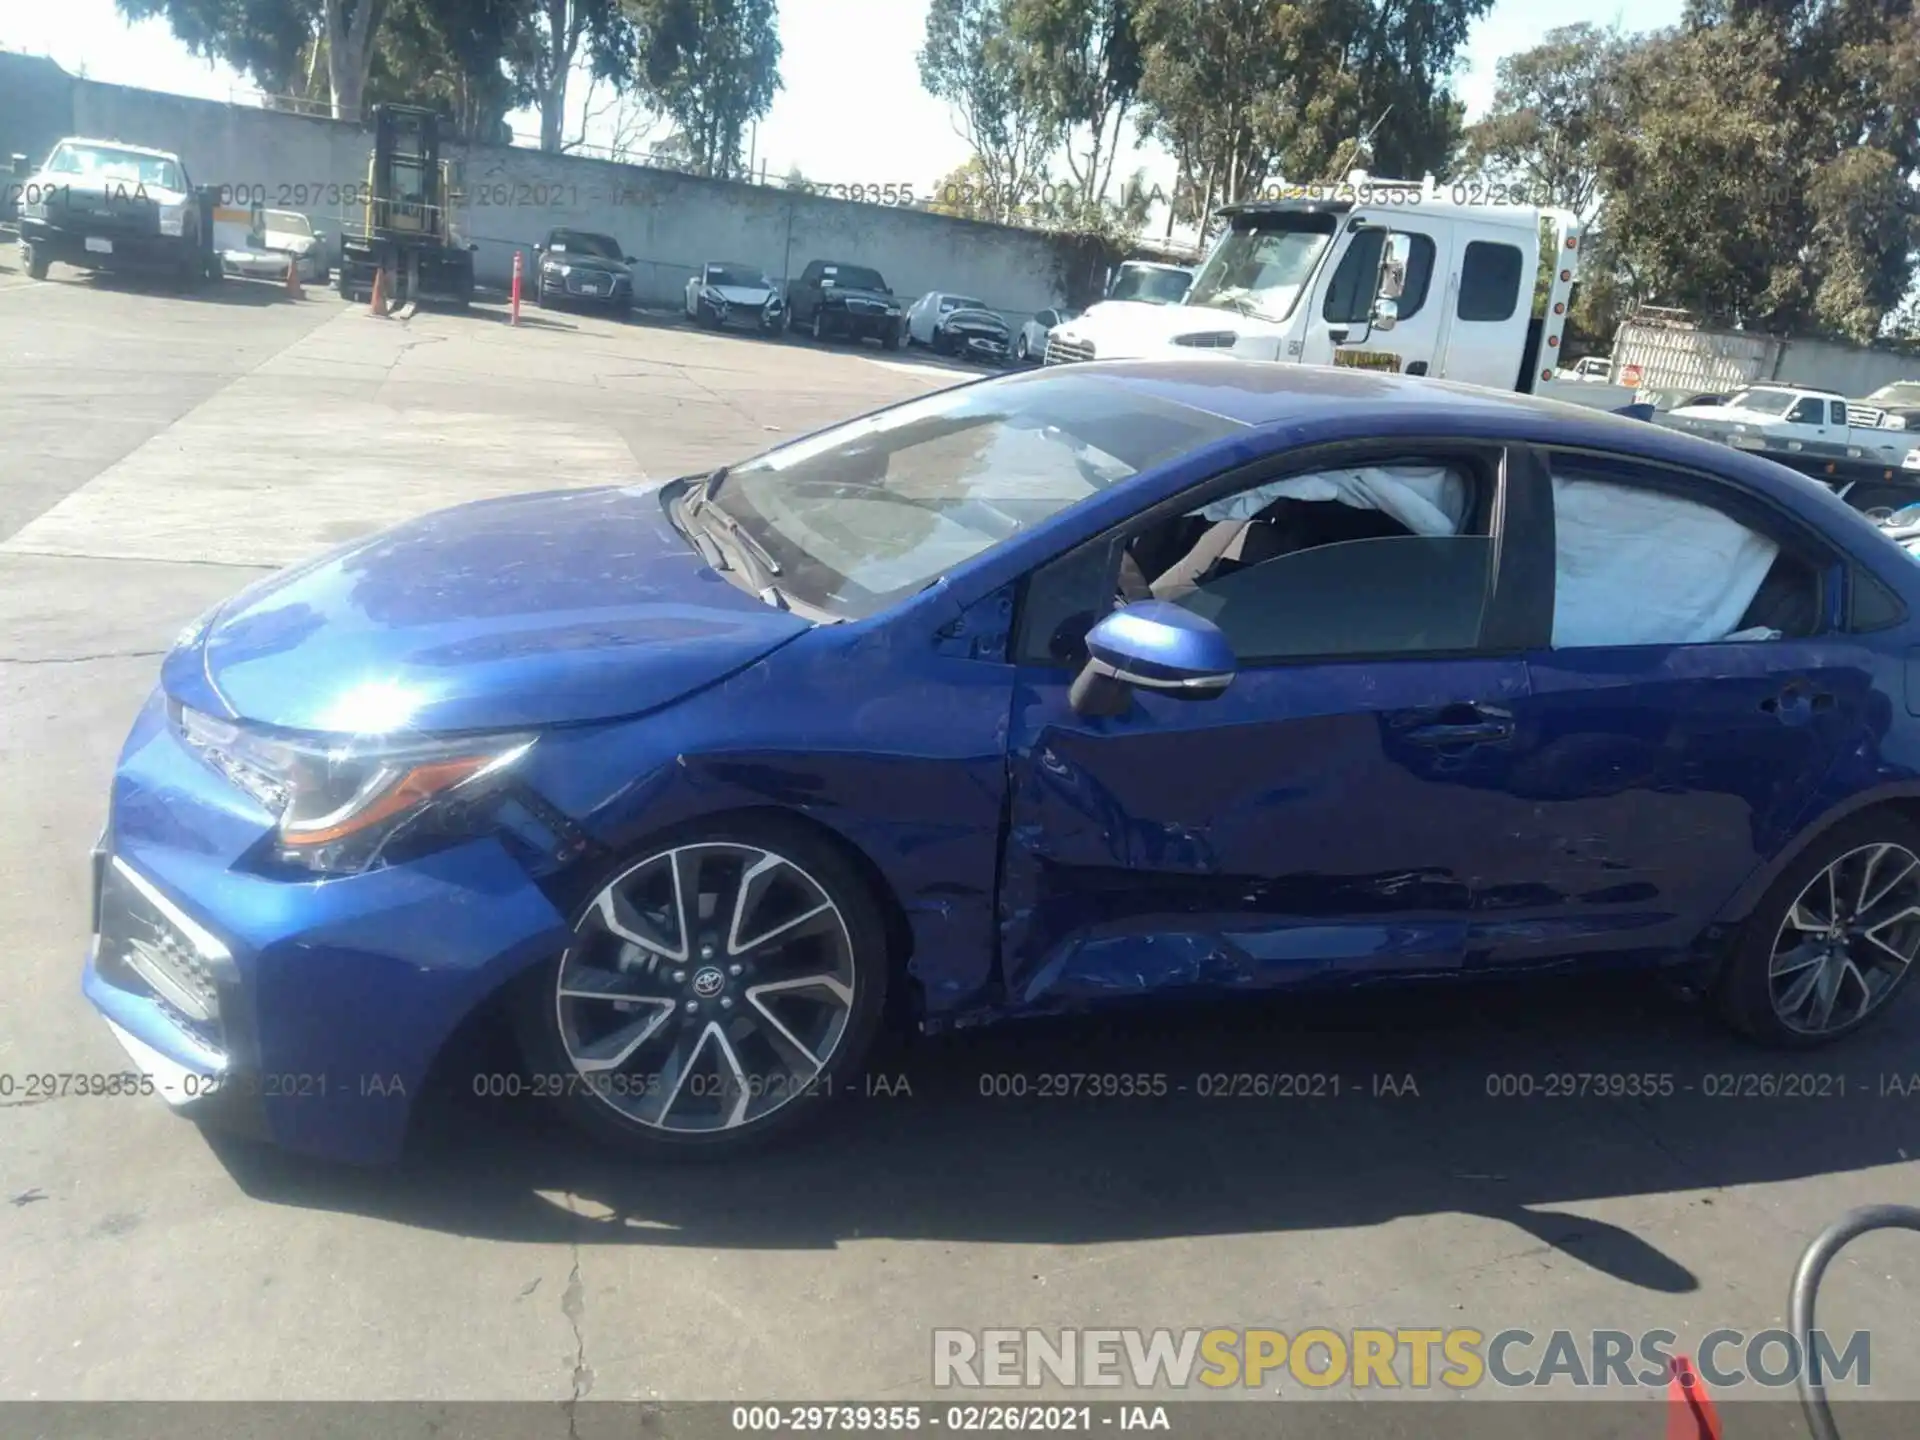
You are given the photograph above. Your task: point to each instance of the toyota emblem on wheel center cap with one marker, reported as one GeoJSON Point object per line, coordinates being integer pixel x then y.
{"type": "Point", "coordinates": [708, 982]}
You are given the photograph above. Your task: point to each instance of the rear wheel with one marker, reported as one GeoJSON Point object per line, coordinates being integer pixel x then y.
{"type": "Point", "coordinates": [36, 263]}
{"type": "Point", "coordinates": [1020, 348]}
{"type": "Point", "coordinates": [1832, 942]}
{"type": "Point", "coordinates": [818, 330]}
{"type": "Point", "coordinates": [717, 989]}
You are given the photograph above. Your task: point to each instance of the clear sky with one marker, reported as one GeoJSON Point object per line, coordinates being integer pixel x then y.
{"type": "Point", "coordinates": [852, 108]}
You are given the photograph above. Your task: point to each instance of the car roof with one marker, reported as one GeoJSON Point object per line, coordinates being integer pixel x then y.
{"type": "Point", "coordinates": [119, 145]}
{"type": "Point", "coordinates": [1278, 395]}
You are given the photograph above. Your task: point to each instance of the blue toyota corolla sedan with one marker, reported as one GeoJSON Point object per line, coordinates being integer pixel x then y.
{"type": "Point", "coordinates": [1107, 681]}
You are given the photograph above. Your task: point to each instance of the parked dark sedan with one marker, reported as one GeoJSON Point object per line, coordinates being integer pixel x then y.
{"type": "Point", "coordinates": [835, 301]}
{"type": "Point", "coordinates": [1107, 681]}
{"type": "Point", "coordinates": [581, 267]}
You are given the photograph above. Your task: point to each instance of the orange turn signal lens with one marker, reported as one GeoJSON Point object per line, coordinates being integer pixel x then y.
{"type": "Point", "coordinates": [420, 783]}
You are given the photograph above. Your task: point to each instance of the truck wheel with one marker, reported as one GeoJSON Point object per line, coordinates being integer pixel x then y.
{"type": "Point", "coordinates": [36, 262]}
{"type": "Point", "coordinates": [819, 331]}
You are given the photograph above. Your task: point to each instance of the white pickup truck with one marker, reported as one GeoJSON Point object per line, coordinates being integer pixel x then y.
{"type": "Point", "coordinates": [1818, 431]}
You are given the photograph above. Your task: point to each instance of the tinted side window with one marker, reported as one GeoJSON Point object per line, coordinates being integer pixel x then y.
{"type": "Point", "coordinates": [1807, 412]}
{"type": "Point", "coordinates": [1350, 292]}
{"type": "Point", "coordinates": [1393, 595]}
{"type": "Point", "coordinates": [1837, 412]}
{"type": "Point", "coordinates": [1490, 281]}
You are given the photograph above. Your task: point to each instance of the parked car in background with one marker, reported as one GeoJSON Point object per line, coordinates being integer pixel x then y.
{"type": "Point", "coordinates": [291, 233]}
{"type": "Point", "coordinates": [583, 267]}
{"type": "Point", "coordinates": [102, 205]}
{"type": "Point", "coordinates": [1901, 400]}
{"type": "Point", "coordinates": [1313, 673]}
{"type": "Point", "coordinates": [1591, 368]}
{"type": "Point", "coordinates": [1030, 344]}
{"type": "Point", "coordinates": [925, 315]}
{"type": "Point", "coordinates": [960, 326]}
{"type": "Point", "coordinates": [726, 292]}
{"type": "Point", "coordinates": [259, 245]}
{"type": "Point", "coordinates": [835, 300]}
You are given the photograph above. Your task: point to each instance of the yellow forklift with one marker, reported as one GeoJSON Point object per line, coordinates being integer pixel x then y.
{"type": "Point", "coordinates": [407, 230]}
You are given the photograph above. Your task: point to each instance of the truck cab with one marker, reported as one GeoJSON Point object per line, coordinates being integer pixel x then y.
{"type": "Point", "coordinates": [1398, 276]}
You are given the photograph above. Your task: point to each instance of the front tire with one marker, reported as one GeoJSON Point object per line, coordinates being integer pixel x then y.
{"type": "Point", "coordinates": [36, 263]}
{"type": "Point", "coordinates": [720, 986]}
{"type": "Point", "coordinates": [1831, 943]}
{"type": "Point", "coordinates": [818, 330]}
{"type": "Point", "coordinates": [1020, 352]}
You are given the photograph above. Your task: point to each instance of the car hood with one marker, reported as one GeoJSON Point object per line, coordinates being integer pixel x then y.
{"type": "Point", "coordinates": [540, 609]}
{"type": "Point", "coordinates": [753, 295]}
{"type": "Point", "coordinates": [81, 192]}
{"type": "Point", "coordinates": [287, 242]}
{"type": "Point", "coordinates": [1134, 329]}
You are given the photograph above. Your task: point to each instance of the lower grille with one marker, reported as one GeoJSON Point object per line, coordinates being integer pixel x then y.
{"type": "Point", "coordinates": [147, 943]}
{"type": "Point", "coordinates": [1065, 352]}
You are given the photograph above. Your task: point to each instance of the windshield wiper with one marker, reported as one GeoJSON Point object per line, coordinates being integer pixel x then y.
{"type": "Point", "coordinates": [743, 538]}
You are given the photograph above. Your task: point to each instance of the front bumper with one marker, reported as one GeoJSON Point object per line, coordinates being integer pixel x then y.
{"type": "Point", "coordinates": [991, 349]}
{"type": "Point", "coordinates": [862, 324]}
{"type": "Point", "coordinates": [597, 288]}
{"type": "Point", "coordinates": [304, 1012]}
{"type": "Point", "coordinates": [128, 250]}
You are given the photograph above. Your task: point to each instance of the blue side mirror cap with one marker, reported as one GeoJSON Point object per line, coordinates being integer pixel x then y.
{"type": "Point", "coordinates": [1157, 645]}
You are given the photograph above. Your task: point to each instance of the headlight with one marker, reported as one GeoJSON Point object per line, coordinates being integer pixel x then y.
{"type": "Point", "coordinates": [552, 268]}
{"type": "Point", "coordinates": [173, 219]}
{"type": "Point", "coordinates": [33, 210]}
{"type": "Point", "coordinates": [340, 802]}
{"type": "Point", "coordinates": [712, 296]}
{"type": "Point", "coordinates": [773, 302]}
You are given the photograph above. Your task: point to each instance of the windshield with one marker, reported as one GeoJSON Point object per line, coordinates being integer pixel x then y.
{"type": "Point", "coordinates": [104, 162]}
{"type": "Point", "coordinates": [872, 511]}
{"type": "Point", "coordinates": [1155, 287]}
{"type": "Point", "coordinates": [853, 277]}
{"type": "Point", "coordinates": [1263, 265]}
{"type": "Point", "coordinates": [736, 275]}
{"type": "Point", "coordinates": [1763, 401]}
{"type": "Point", "coordinates": [582, 242]}
{"type": "Point", "coordinates": [287, 222]}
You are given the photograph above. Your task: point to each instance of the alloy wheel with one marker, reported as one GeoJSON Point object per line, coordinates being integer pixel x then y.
{"type": "Point", "coordinates": [707, 987]}
{"type": "Point", "coordinates": [1847, 940]}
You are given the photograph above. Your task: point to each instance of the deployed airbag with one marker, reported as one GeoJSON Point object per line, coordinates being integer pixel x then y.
{"type": "Point", "coordinates": [1428, 500]}
{"type": "Point", "coordinates": [1637, 567]}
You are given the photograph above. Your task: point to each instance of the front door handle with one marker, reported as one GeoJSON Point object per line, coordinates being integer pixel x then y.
{"type": "Point", "coordinates": [1478, 732]}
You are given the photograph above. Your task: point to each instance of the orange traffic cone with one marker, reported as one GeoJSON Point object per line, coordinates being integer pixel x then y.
{"type": "Point", "coordinates": [293, 278]}
{"type": "Point", "coordinates": [378, 305]}
{"type": "Point", "coordinates": [1690, 1412]}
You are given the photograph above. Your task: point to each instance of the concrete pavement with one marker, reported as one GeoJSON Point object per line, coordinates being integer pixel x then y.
{"type": "Point", "coordinates": [160, 451]}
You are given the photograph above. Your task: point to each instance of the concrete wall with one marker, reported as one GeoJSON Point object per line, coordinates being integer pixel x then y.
{"type": "Point", "coordinates": [1852, 371]}
{"type": "Point", "coordinates": [671, 222]}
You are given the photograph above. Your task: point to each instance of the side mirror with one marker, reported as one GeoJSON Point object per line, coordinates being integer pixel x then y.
{"type": "Point", "coordinates": [1386, 314]}
{"type": "Point", "coordinates": [21, 166]}
{"type": "Point", "coordinates": [631, 260]}
{"type": "Point", "coordinates": [1152, 645]}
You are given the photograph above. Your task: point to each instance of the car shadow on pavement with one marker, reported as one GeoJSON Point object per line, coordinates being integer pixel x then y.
{"type": "Point", "coordinates": [1483, 1100]}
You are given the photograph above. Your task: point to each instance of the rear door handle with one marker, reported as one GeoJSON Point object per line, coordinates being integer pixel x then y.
{"type": "Point", "coordinates": [1479, 732]}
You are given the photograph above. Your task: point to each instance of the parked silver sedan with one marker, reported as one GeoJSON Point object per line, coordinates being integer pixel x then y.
{"type": "Point", "coordinates": [724, 291]}
{"type": "Point", "coordinates": [958, 325]}
{"type": "Point", "coordinates": [1030, 344]}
